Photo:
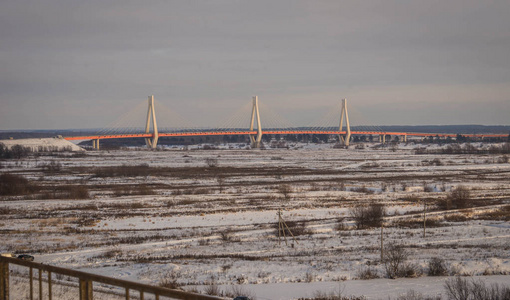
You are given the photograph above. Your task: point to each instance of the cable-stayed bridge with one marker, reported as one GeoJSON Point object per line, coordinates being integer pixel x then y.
{"type": "Point", "coordinates": [262, 121]}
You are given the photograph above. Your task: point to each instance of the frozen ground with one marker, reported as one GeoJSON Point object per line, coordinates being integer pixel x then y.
{"type": "Point", "coordinates": [207, 218]}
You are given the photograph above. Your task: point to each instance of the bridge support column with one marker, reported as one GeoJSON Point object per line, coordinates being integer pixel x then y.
{"type": "Point", "coordinates": [255, 139]}
{"type": "Point", "coordinates": [345, 140]}
{"type": "Point", "coordinates": [95, 144]}
{"type": "Point", "coordinates": [405, 138]}
{"type": "Point", "coordinates": [382, 138]}
{"type": "Point", "coordinates": [151, 113]}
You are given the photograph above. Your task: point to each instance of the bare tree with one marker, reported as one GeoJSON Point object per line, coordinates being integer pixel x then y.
{"type": "Point", "coordinates": [394, 258]}
{"type": "Point", "coordinates": [396, 264]}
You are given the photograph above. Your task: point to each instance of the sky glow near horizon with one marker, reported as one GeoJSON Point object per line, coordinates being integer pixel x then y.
{"type": "Point", "coordinates": [83, 64]}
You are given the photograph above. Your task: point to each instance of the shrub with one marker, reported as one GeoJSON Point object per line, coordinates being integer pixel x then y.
{"type": "Point", "coordinates": [285, 190]}
{"type": "Point", "coordinates": [17, 152]}
{"type": "Point", "coordinates": [418, 223]}
{"type": "Point", "coordinates": [395, 262]}
{"type": "Point", "coordinates": [212, 290]}
{"type": "Point", "coordinates": [123, 171]}
{"type": "Point", "coordinates": [237, 290]}
{"type": "Point", "coordinates": [368, 216]}
{"type": "Point", "coordinates": [456, 218]}
{"type": "Point", "coordinates": [125, 190]}
{"type": "Point", "coordinates": [229, 236]}
{"type": "Point", "coordinates": [211, 162]}
{"type": "Point", "coordinates": [366, 273]}
{"type": "Point", "coordinates": [460, 197]}
{"type": "Point", "coordinates": [341, 226]}
{"type": "Point", "coordinates": [51, 167]}
{"type": "Point", "coordinates": [464, 289]}
{"type": "Point", "coordinates": [502, 213]}
{"type": "Point", "coordinates": [78, 192]}
{"type": "Point", "coordinates": [170, 280]}
{"type": "Point", "coordinates": [363, 189]}
{"type": "Point", "coordinates": [12, 185]}
{"type": "Point", "coordinates": [437, 267]}
{"type": "Point", "coordinates": [414, 295]}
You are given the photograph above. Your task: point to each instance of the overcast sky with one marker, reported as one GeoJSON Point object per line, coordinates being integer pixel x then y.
{"type": "Point", "coordinates": [83, 64]}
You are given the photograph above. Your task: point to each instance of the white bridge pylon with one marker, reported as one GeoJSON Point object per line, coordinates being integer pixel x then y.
{"type": "Point", "coordinates": [345, 140]}
{"type": "Point", "coordinates": [151, 112]}
{"type": "Point", "coordinates": [255, 139]}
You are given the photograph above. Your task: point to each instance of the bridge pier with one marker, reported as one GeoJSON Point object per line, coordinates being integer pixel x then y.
{"type": "Point", "coordinates": [95, 144]}
{"type": "Point", "coordinates": [382, 138]}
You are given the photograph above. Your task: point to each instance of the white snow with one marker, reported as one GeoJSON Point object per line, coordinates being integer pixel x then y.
{"type": "Point", "coordinates": [38, 144]}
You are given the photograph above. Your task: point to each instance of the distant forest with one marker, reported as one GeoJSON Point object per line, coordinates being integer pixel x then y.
{"type": "Point", "coordinates": [455, 129]}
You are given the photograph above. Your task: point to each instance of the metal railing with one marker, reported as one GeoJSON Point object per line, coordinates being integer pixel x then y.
{"type": "Point", "coordinates": [86, 281]}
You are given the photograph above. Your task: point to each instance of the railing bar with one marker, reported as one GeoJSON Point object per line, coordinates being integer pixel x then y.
{"type": "Point", "coordinates": [175, 294]}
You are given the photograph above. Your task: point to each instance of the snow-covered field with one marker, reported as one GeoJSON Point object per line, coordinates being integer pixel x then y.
{"type": "Point", "coordinates": [202, 218]}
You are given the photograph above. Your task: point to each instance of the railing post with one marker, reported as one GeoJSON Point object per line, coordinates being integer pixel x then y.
{"type": "Point", "coordinates": [127, 294]}
{"type": "Point", "coordinates": [49, 285]}
{"type": "Point", "coordinates": [40, 284]}
{"type": "Point", "coordinates": [4, 280]}
{"type": "Point", "coordinates": [31, 274]}
{"type": "Point", "coordinates": [85, 289]}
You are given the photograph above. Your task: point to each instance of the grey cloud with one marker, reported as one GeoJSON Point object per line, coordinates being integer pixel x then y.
{"type": "Point", "coordinates": [69, 58]}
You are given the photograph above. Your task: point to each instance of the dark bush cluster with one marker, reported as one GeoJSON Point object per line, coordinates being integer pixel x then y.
{"type": "Point", "coordinates": [123, 171]}
{"type": "Point", "coordinates": [14, 185]}
{"type": "Point", "coordinates": [464, 289]}
{"type": "Point", "coordinates": [368, 216]}
{"type": "Point", "coordinates": [51, 167]}
{"type": "Point", "coordinates": [437, 267]}
{"type": "Point", "coordinates": [458, 198]}
{"type": "Point", "coordinates": [64, 192]}
{"type": "Point", "coordinates": [418, 223]}
{"type": "Point", "coordinates": [16, 151]}
{"type": "Point", "coordinates": [129, 190]}
{"type": "Point", "coordinates": [366, 273]}
{"type": "Point", "coordinates": [467, 149]}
